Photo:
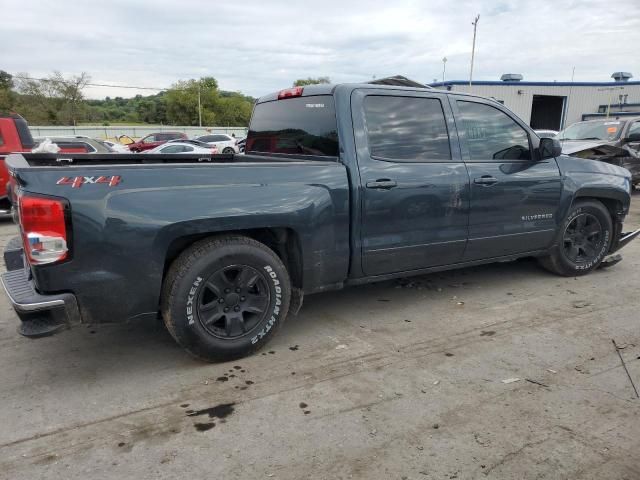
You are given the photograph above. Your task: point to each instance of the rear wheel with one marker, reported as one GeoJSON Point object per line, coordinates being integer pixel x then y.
{"type": "Point", "coordinates": [223, 298]}
{"type": "Point", "coordinates": [228, 150]}
{"type": "Point", "coordinates": [583, 240]}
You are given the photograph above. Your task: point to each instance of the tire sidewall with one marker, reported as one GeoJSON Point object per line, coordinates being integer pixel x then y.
{"type": "Point", "coordinates": [605, 221]}
{"type": "Point", "coordinates": [191, 332]}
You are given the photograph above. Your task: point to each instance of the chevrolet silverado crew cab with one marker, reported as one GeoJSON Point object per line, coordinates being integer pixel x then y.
{"type": "Point", "coordinates": [340, 185]}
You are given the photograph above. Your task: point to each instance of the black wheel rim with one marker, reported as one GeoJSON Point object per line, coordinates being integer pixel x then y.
{"type": "Point", "coordinates": [583, 238]}
{"type": "Point", "coordinates": [233, 301]}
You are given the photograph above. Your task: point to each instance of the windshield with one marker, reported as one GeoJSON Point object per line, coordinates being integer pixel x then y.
{"type": "Point", "coordinates": [593, 130]}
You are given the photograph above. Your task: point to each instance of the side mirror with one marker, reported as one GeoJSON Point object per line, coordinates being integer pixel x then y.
{"type": "Point", "coordinates": [549, 148]}
{"type": "Point", "coordinates": [633, 137]}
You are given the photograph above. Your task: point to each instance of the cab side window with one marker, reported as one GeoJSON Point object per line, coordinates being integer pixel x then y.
{"type": "Point", "coordinates": [492, 134]}
{"type": "Point", "coordinates": [406, 129]}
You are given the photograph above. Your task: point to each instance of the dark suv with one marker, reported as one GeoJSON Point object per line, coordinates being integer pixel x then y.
{"type": "Point", "coordinates": [154, 140]}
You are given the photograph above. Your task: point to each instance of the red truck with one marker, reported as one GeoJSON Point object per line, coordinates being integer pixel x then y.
{"type": "Point", "coordinates": [15, 136]}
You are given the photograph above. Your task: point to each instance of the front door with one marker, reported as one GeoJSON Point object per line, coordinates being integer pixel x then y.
{"type": "Point", "coordinates": [514, 196]}
{"type": "Point", "coordinates": [415, 186]}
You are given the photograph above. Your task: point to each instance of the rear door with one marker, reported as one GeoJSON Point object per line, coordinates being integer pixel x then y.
{"type": "Point", "coordinates": [415, 198]}
{"type": "Point", "coordinates": [514, 197]}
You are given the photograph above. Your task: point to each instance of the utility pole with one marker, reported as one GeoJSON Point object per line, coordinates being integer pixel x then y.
{"type": "Point", "coordinates": [199, 106]}
{"type": "Point", "coordinates": [610, 90]}
{"type": "Point", "coordinates": [566, 110]}
{"type": "Point", "coordinates": [444, 67]}
{"type": "Point", "coordinates": [473, 48]}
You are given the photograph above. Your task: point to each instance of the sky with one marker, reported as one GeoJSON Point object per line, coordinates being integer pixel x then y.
{"type": "Point", "coordinates": [257, 47]}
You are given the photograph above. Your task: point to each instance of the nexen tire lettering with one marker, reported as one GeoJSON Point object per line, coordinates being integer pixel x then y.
{"type": "Point", "coordinates": [190, 297]}
{"type": "Point", "coordinates": [276, 310]}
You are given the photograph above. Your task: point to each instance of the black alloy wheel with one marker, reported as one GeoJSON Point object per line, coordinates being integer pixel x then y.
{"type": "Point", "coordinates": [233, 301]}
{"type": "Point", "coordinates": [583, 238]}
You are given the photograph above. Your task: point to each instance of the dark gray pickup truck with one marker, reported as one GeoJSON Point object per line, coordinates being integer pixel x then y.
{"type": "Point", "coordinates": [341, 185]}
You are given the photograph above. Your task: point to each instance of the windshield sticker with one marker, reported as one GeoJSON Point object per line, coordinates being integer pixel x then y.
{"type": "Point", "coordinates": [612, 130]}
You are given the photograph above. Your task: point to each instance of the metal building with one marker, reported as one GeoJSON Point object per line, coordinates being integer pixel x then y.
{"type": "Point", "coordinates": [554, 105]}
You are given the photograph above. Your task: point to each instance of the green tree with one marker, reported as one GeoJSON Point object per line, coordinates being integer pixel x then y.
{"type": "Point", "coordinates": [6, 95]}
{"type": "Point", "coordinates": [54, 100]}
{"type": "Point", "coordinates": [182, 101]}
{"type": "Point", "coordinates": [301, 82]}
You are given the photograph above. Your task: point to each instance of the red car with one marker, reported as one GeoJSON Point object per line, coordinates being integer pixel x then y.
{"type": "Point", "coordinates": [155, 140]}
{"type": "Point", "coordinates": [14, 137]}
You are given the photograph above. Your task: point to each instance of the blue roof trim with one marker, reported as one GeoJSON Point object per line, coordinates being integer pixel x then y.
{"type": "Point", "coordinates": [536, 84]}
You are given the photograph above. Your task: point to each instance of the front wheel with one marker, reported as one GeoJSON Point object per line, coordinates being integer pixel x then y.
{"type": "Point", "coordinates": [582, 241]}
{"type": "Point", "coordinates": [223, 298]}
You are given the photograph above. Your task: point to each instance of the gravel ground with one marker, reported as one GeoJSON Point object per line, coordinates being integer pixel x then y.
{"type": "Point", "coordinates": [409, 379]}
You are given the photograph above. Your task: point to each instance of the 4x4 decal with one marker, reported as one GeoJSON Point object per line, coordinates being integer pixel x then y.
{"type": "Point", "coordinates": [77, 182]}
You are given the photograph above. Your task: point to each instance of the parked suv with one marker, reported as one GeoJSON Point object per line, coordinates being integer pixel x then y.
{"type": "Point", "coordinates": [155, 140]}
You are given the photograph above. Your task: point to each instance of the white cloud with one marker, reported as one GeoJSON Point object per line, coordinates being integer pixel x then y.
{"type": "Point", "coordinates": [257, 47]}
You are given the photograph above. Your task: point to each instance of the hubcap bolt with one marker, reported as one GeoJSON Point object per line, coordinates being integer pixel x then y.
{"type": "Point", "coordinates": [237, 290]}
{"type": "Point", "coordinates": [221, 300]}
{"type": "Point", "coordinates": [226, 309]}
{"type": "Point", "coordinates": [236, 308]}
{"type": "Point", "coordinates": [226, 290]}
{"type": "Point", "coordinates": [242, 299]}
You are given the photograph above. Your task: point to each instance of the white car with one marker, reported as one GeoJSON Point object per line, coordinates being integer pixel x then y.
{"type": "Point", "coordinates": [225, 143]}
{"type": "Point", "coordinates": [116, 146]}
{"type": "Point", "coordinates": [185, 146]}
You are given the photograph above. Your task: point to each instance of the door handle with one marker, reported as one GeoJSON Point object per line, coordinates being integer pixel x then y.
{"type": "Point", "coordinates": [486, 180]}
{"type": "Point", "coordinates": [383, 184]}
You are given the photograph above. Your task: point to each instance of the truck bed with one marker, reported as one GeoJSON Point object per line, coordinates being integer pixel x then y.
{"type": "Point", "coordinates": [126, 232]}
{"type": "Point", "coordinates": [93, 159]}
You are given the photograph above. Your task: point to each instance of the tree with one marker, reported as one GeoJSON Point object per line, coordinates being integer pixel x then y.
{"type": "Point", "coordinates": [6, 80]}
{"type": "Point", "coordinates": [54, 100]}
{"type": "Point", "coordinates": [182, 101]}
{"type": "Point", "coordinates": [6, 96]}
{"type": "Point", "coordinates": [301, 82]}
{"type": "Point", "coordinates": [69, 90]}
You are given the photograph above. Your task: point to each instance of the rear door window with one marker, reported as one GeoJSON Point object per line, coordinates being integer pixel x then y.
{"type": "Point", "coordinates": [406, 129]}
{"type": "Point", "coordinates": [297, 126]}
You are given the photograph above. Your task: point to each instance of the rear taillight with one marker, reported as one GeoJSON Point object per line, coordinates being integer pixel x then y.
{"type": "Point", "coordinates": [44, 229]}
{"type": "Point", "coordinates": [290, 93]}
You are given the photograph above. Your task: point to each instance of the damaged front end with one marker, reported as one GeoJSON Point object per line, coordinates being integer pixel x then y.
{"type": "Point", "coordinates": [625, 156]}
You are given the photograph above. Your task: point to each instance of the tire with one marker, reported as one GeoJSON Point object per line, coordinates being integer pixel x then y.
{"type": "Point", "coordinates": [582, 241]}
{"type": "Point", "coordinates": [235, 273]}
{"type": "Point", "coordinates": [228, 150]}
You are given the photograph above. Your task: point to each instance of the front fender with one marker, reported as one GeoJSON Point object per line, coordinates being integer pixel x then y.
{"type": "Point", "coordinates": [589, 178]}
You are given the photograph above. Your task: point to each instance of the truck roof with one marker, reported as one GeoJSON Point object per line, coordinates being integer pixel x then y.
{"type": "Point", "coordinates": [330, 88]}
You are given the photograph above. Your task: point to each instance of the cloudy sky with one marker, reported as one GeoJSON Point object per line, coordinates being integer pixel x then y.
{"type": "Point", "coordinates": [260, 46]}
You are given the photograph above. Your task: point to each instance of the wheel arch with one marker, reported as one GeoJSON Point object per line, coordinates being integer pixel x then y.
{"type": "Point", "coordinates": [284, 241]}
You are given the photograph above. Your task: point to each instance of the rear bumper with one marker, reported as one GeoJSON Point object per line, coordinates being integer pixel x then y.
{"type": "Point", "coordinates": [40, 314]}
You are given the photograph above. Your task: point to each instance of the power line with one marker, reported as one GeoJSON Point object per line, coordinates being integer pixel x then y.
{"type": "Point", "coordinates": [91, 84]}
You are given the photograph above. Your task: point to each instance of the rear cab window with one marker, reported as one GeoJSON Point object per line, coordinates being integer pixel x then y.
{"type": "Point", "coordinates": [296, 126]}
